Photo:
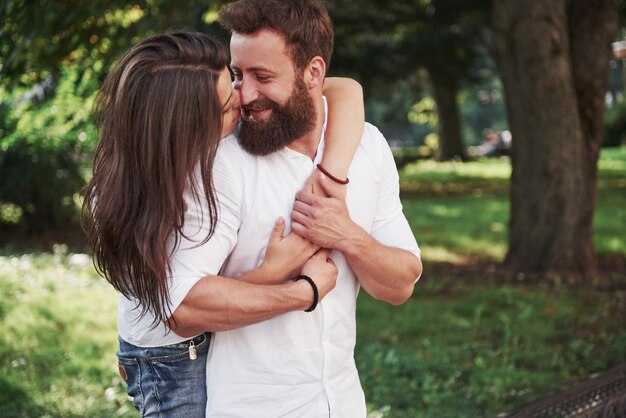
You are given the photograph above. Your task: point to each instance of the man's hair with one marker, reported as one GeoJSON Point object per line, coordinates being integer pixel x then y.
{"type": "Point", "coordinates": [304, 24]}
{"type": "Point", "coordinates": [159, 118]}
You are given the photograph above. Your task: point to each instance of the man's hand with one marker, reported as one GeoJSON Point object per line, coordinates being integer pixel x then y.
{"type": "Point", "coordinates": [285, 256]}
{"type": "Point", "coordinates": [324, 221]}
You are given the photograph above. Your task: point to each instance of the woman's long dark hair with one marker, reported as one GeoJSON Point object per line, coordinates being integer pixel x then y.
{"type": "Point", "coordinates": [159, 118]}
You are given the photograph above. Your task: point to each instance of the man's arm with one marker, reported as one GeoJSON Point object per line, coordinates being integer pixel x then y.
{"type": "Point", "coordinates": [385, 258]}
{"type": "Point", "coordinates": [387, 273]}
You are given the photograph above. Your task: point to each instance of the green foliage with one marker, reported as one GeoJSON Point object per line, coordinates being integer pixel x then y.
{"type": "Point", "coordinates": [53, 57]}
{"type": "Point", "coordinates": [482, 107]}
{"type": "Point", "coordinates": [446, 37]}
{"type": "Point", "coordinates": [48, 142]}
{"type": "Point", "coordinates": [37, 37]}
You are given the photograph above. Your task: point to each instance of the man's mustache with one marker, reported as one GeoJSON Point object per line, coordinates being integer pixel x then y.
{"type": "Point", "coordinates": [259, 104]}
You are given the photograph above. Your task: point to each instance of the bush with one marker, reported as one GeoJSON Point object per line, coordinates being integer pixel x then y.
{"type": "Point", "coordinates": [43, 146]}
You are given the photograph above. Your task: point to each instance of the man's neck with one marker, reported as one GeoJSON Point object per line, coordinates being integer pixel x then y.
{"type": "Point", "coordinates": [307, 144]}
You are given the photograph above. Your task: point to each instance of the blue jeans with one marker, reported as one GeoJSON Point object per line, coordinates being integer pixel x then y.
{"type": "Point", "coordinates": [163, 381]}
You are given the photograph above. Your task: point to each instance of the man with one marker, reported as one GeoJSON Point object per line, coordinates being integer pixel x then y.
{"type": "Point", "coordinates": [299, 364]}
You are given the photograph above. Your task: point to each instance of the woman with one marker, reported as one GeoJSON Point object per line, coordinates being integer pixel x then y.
{"type": "Point", "coordinates": [161, 114]}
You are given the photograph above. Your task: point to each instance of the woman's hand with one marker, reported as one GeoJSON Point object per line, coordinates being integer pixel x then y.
{"type": "Point", "coordinates": [285, 256]}
{"type": "Point", "coordinates": [322, 269]}
{"type": "Point", "coordinates": [314, 185]}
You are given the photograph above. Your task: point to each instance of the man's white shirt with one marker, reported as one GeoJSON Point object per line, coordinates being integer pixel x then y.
{"type": "Point", "coordinates": [297, 364]}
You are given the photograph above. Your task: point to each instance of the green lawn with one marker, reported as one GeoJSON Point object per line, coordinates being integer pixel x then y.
{"type": "Point", "coordinates": [470, 343]}
{"type": "Point", "coordinates": [57, 338]}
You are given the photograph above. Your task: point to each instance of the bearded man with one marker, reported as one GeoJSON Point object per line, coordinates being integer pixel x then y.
{"type": "Point", "coordinates": [300, 364]}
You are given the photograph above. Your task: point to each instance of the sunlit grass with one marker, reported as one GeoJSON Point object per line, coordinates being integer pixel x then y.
{"type": "Point", "coordinates": [57, 338]}
{"type": "Point", "coordinates": [468, 226]}
{"type": "Point", "coordinates": [612, 161]}
{"type": "Point", "coordinates": [462, 209]}
{"type": "Point", "coordinates": [488, 168]}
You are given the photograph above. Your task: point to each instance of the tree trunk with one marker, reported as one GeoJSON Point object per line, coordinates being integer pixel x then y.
{"type": "Point", "coordinates": [446, 91]}
{"type": "Point", "coordinates": [552, 190]}
{"type": "Point", "coordinates": [592, 27]}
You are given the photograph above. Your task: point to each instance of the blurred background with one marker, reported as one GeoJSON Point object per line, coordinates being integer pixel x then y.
{"type": "Point", "coordinates": [507, 120]}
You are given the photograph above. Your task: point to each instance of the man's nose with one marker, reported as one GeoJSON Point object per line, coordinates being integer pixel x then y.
{"type": "Point", "coordinates": [247, 92]}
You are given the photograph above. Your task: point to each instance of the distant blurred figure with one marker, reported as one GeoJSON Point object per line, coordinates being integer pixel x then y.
{"type": "Point", "coordinates": [495, 144]}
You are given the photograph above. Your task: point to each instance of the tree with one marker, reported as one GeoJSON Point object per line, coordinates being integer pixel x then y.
{"type": "Point", "coordinates": [554, 65]}
{"type": "Point", "coordinates": [390, 42]}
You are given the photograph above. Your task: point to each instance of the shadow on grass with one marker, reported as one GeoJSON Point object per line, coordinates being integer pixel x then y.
{"type": "Point", "coordinates": [15, 400]}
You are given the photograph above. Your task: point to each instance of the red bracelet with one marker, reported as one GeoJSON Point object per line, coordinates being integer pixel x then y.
{"type": "Point", "coordinates": [330, 176]}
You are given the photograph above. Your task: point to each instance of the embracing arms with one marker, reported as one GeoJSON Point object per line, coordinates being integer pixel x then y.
{"type": "Point", "coordinates": [386, 258]}
{"type": "Point", "coordinates": [346, 118]}
{"type": "Point", "coordinates": [217, 303]}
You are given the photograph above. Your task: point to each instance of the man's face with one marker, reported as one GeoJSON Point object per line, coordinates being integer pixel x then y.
{"type": "Point", "coordinates": [276, 106]}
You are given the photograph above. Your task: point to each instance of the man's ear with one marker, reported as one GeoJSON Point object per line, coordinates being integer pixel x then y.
{"type": "Point", "coordinates": [315, 72]}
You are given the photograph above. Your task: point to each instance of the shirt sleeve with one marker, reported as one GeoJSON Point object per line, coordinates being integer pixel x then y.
{"type": "Point", "coordinates": [390, 226]}
{"type": "Point", "coordinates": [192, 259]}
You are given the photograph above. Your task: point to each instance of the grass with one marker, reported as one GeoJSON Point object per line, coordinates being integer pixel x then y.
{"type": "Point", "coordinates": [477, 349]}
{"type": "Point", "coordinates": [471, 343]}
{"type": "Point", "coordinates": [57, 338]}
{"type": "Point", "coordinates": [468, 344]}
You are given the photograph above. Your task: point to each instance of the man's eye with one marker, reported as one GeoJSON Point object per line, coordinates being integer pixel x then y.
{"type": "Point", "coordinates": [263, 77]}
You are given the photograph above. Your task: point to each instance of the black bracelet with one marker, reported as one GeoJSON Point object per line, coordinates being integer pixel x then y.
{"type": "Point", "coordinates": [316, 294]}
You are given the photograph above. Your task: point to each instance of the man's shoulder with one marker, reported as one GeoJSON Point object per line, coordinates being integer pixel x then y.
{"type": "Point", "coordinates": [373, 141]}
{"type": "Point", "coordinates": [372, 136]}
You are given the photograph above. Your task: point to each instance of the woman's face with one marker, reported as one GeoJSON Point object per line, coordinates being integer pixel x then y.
{"type": "Point", "coordinates": [229, 98]}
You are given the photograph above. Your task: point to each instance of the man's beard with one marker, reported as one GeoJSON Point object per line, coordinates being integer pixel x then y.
{"type": "Point", "coordinates": [284, 125]}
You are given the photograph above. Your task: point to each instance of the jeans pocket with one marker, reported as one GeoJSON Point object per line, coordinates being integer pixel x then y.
{"type": "Point", "coordinates": [180, 383]}
{"type": "Point", "coordinates": [163, 381]}
{"type": "Point", "coordinates": [130, 370]}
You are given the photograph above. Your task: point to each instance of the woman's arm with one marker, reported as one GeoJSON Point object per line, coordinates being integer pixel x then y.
{"type": "Point", "coordinates": [284, 257]}
{"type": "Point", "coordinates": [346, 116]}
{"type": "Point", "coordinates": [218, 303]}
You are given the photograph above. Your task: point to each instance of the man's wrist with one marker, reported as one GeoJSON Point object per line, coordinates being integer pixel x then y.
{"type": "Point", "coordinates": [353, 242]}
